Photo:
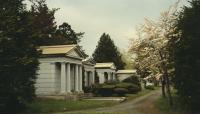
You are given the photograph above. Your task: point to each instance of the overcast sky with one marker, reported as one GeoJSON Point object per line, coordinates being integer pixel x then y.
{"type": "Point", "coordinates": [115, 17]}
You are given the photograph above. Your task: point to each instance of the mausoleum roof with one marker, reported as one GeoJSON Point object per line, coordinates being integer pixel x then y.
{"type": "Point", "coordinates": [105, 65]}
{"type": "Point", "coordinates": [126, 71]}
{"type": "Point", "coordinates": [57, 49]}
{"type": "Point", "coordinates": [62, 51]}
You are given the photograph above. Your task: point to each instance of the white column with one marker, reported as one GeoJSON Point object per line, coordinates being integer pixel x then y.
{"type": "Point", "coordinates": [101, 77]}
{"type": "Point", "coordinates": [114, 76]}
{"type": "Point", "coordinates": [80, 78]}
{"type": "Point", "coordinates": [85, 79]}
{"type": "Point", "coordinates": [63, 77]}
{"type": "Point", "coordinates": [89, 78]}
{"type": "Point", "coordinates": [93, 77]}
{"type": "Point", "coordinates": [53, 74]}
{"type": "Point", "coordinates": [109, 76]}
{"type": "Point", "coordinates": [68, 78]}
{"type": "Point", "coordinates": [76, 78]}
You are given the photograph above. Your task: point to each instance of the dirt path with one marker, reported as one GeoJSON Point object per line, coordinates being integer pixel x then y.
{"type": "Point", "coordinates": [141, 105]}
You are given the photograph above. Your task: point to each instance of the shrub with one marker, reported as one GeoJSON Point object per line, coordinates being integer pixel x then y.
{"type": "Point", "coordinates": [121, 91]}
{"type": "Point", "coordinates": [103, 89]}
{"type": "Point", "coordinates": [133, 79]}
{"type": "Point", "coordinates": [88, 89]}
{"type": "Point", "coordinates": [132, 88]}
{"type": "Point", "coordinates": [110, 89]}
{"type": "Point", "coordinates": [124, 85]}
{"type": "Point", "coordinates": [151, 87]}
{"type": "Point", "coordinates": [111, 82]}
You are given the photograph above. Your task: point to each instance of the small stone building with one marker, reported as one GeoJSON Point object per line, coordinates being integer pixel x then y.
{"type": "Point", "coordinates": [105, 72]}
{"type": "Point", "coordinates": [124, 74]}
{"type": "Point", "coordinates": [89, 72]}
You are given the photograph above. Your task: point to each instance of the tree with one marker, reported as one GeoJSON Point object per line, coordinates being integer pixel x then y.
{"type": "Point", "coordinates": [106, 51]}
{"type": "Point", "coordinates": [45, 25]}
{"type": "Point", "coordinates": [152, 49]}
{"type": "Point", "coordinates": [128, 59]}
{"type": "Point", "coordinates": [18, 56]}
{"type": "Point", "coordinates": [185, 53]}
{"type": "Point", "coordinates": [43, 22]}
{"type": "Point", "coordinates": [66, 34]}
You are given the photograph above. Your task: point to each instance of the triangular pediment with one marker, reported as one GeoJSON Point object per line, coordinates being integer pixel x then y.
{"type": "Point", "coordinates": [73, 53]}
{"type": "Point", "coordinates": [60, 50]}
{"type": "Point", "coordinates": [113, 66]}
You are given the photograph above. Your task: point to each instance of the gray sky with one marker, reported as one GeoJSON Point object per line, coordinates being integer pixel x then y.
{"type": "Point", "coordinates": [115, 17]}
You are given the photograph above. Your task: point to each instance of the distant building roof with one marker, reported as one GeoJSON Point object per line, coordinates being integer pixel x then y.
{"type": "Point", "coordinates": [105, 65]}
{"type": "Point", "coordinates": [126, 71]}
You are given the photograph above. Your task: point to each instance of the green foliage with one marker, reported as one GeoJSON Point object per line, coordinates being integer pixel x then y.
{"type": "Point", "coordinates": [46, 28]}
{"type": "Point", "coordinates": [43, 20]}
{"type": "Point", "coordinates": [50, 106]}
{"type": "Point", "coordinates": [116, 88]}
{"type": "Point", "coordinates": [121, 91]}
{"type": "Point", "coordinates": [151, 87]}
{"type": "Point", "coordinates": [127, 59]}
{"type": "Point", "coordinates": [185, 54]}
{"type": "Point", "coordinates": [132, 79]}
{"type": "Point", "coordinates": [104, 89]}
{"type": "Point", "coordinates": [18, 56]}
{"type": "Point", "coordinates": [106, 51]}
{"type": "Point", "coordinates": [131, 87]}
{"type": "Point", "coordinates": [67, 35]}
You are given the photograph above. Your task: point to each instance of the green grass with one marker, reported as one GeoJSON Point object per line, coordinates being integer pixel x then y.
{"type": "Point", "coordinates": [141, 93]}
{"type": "Point", "coordinates": [49, 106]}
{"type": "Point", "coordinates": [52, 106]}
{"type": "Point", "coordinates": [178, 108]}
{"type": "Point", "coordinates": [163, 105]}
{"type": "Point", "coordinates": [100, 113]}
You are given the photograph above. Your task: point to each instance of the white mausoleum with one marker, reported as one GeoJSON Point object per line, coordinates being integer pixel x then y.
{"type": "Point", "coordinates": [124, 74]}
{"type": "Point", "coordinates": [60, 70]}
{"type": "Point", "coordinates": [105, 72]}
{"type": "Point", "coordinates": [89, 72]}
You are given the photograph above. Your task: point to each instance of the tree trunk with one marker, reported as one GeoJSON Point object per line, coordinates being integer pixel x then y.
{"type": "Point", "coordinates": [168, 90]}
{"type": "Point", "coordinates": [166, 79]}
{"type": "Point", "coordinates": [163, 87]}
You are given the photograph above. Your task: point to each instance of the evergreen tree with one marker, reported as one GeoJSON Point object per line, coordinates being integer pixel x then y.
{"type": "Point", "coordinates": [43, 22]}
{"type": "Point", "coordinates": [45, 25]}
{"type": "Point", "coordinates": [186, 55]}
{"type": "Point", "coordinates": [67, 35]}
{"type": "Point", "coordinates": [106, 51]}
{"type": "Point", "coordinates": [18, 56]}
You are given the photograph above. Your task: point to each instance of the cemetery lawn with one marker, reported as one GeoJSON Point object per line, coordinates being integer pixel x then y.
{"type": "Point", "coordinates": [49, 105]}
{"type": "Point", "coordinates": [141, 93]}
{"type": "Point", "coordinates": [52, 106]}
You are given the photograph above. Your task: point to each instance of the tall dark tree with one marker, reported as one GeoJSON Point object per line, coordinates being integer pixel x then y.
{"type": "Point", "coordinates": [106, 51]}
{"type": "Point", "coordinates": [18, 56]}
{"type": "Point", "coordinates": [45, 25]}
{"type": "Point", "coordinates": [186, 55]}
{"type": "Point", "coordinates": [67, 35]}
{"type": "Point", "coordinates": [44, 22]}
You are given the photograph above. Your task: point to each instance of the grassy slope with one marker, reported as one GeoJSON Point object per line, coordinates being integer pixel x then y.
{"type": "Point", "coordinates": [48, 106]}
{"type": "Point", "coordinates": [163, 105]}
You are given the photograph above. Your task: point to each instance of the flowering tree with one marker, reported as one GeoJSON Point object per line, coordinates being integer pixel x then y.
{"type": "Point", "coordinates": [152, 47]}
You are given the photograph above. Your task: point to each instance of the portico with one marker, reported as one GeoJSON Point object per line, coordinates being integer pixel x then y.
{"type": "Point", "coordinates": [60, 70]}
{"type": "Point", "coordinates": [105, 72]}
